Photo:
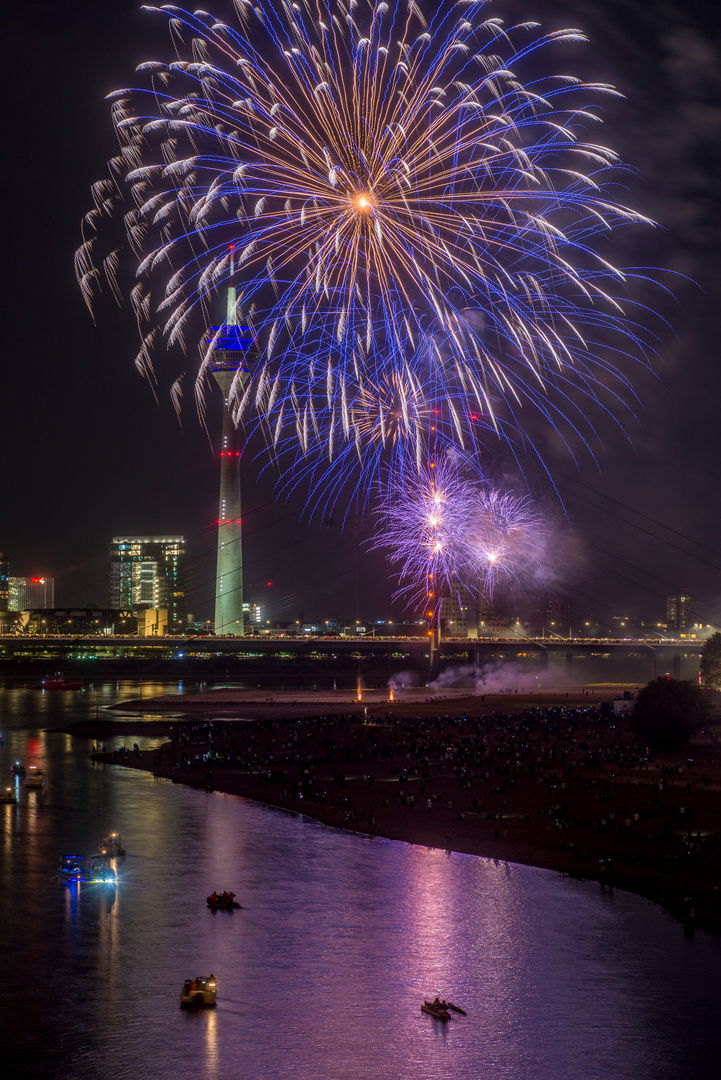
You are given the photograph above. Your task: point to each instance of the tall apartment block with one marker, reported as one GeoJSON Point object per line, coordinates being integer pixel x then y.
{"type": "Point", "coordinates": [148, 572]}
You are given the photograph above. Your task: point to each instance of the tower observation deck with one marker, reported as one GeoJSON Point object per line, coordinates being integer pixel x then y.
{"type": "Point", "coordinates": [232, 363]}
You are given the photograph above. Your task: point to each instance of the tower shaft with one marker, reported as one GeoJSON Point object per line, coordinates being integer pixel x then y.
{"type": "Point", "coordinates": [231, 364]}
{"type": "Point", "coordinates": [229, 567]}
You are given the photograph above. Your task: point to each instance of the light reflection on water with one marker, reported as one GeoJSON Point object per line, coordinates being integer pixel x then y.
{"type": "Point", "coordinates": [340, 938]}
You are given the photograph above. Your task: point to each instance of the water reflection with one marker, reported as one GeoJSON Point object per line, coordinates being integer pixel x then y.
{"type": "Point", "coordinates": [322, 972]}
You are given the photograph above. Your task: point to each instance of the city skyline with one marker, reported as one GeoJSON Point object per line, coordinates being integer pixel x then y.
{"type": "Point", "coordinates": [103, 445]}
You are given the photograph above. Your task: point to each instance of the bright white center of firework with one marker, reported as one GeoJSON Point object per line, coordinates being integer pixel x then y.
{"type": "Point", "coordinates": [433, 521]}
{"type": "Point", "coordinates": [491, 556]}
{"type": "Point", "coordinates": [364, 203]}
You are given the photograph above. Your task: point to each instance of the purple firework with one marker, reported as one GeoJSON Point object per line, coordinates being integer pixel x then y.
{"type": "Point", "coordinates": [449, 535]}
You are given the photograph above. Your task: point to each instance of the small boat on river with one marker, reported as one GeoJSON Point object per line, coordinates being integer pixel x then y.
{"type": "Point", "coordinates": [57, 681]}
{"type": "Point", "coordinates": [17, 769]}
{"type": "Point", "coordinates": [8, 796]}
{"type": "Point", "coordinates": [224, 901]}
{"type": "Point", "coordinates": [197, 993]}
{"type": "Point", "coordinates": [110, 845]}
{"type": "Point", "coordinates": [35, 778]}
{"type": "Point", "coordinates": [438, 1012]}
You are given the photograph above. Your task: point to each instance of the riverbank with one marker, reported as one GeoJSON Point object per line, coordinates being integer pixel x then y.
{"type": "Point", "coordinates": [556, 786]}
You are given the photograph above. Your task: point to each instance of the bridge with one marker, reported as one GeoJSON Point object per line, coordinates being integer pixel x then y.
{"type": "Point", "coordinates": [647, 657]}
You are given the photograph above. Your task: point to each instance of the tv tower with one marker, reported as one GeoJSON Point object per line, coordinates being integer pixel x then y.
{"type": "Point", "coordinates": [232, 364]}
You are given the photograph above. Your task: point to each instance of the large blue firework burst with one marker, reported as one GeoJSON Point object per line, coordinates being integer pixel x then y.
{"type": "Point", "coordinates": [415, 214]}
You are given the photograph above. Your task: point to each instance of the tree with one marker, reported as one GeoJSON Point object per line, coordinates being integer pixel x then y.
{"type": "Point", "coordinates": [711, 661]}
{"type": "Point", "coordinates": [667, 712]}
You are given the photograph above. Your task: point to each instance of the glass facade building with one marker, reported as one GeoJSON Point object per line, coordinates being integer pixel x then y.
{"type": "Point", "coordinates": [149, 572]}
{"type": "Point", "coordinates": [30, 593]}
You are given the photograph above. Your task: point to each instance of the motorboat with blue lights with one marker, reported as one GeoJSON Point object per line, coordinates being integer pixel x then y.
{"type": "Point", "coordinates": [8, 796]}
{"type": "Point", "coordinates": [80, 868]}
{"type": "Point", "coordinates": [35, 778]}
{"type": "Point", "coordinates": [73, 868]}
{"type": "Point", "coordinates": [110, 846]}
{"type": "Point", "coordinates": [199, 993]}
{"type": "Point", "coordinates": [17, 769]}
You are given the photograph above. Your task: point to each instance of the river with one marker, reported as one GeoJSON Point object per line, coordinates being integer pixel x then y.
{"type": "Point", "coordinates": [340, 937]}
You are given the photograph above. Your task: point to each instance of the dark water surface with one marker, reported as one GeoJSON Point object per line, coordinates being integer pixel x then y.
{"type": "Point", "coordinates": [322, 973]}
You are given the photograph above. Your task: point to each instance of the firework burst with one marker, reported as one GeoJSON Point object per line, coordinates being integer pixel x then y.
{"type": "Point", "coordinates": [411, 221]}
{"type": "Point", "coordinates": [504, 539]}
{"type": "Point", "coordinates": [448, 535]}
{"type": "Point", "coordinates": [424, 519]}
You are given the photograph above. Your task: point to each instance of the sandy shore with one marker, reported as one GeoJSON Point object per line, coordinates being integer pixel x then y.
{"type": "Point", "coordinates": [555, 786]}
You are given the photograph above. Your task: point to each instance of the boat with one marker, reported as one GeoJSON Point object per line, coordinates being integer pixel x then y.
{"type": "Point", "coordinates": [222, 901]}
{"type": "Point", "coordinates": [438, 1012]}
{"type": "Point", "coordinates": [110, 845]}
{"type": "Point", "coordinates": [35, 778]}
{"type": "Point", "coordinates": [455, 1008]}
{"type": "Point", "coordinates": [79, 868]}
{"type": "Point", "coordinates": [17, 769]}
{"type": "Point", "coordinates": [101, 870]}
{"type": "Point", "coordinates": [8, 796]}
{"type": "Point", "coordinates": [73, 868]}
{"type": "Point", "coordinates": [198, 992]}
{"type": "Point", "coordinates": [57, 681]}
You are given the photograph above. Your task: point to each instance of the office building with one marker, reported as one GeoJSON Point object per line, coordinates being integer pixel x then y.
{"type": "Point", "coordinates": [252, 615]}
{"type": "Point", "coordinates": [4, 581]}
{"type": "Point", "coordinates": [30, 593]}
{"type": "Point", "coordinates": [453, 617]}
{"type": "Point", "coordinates": [149, 572]}
{"type": "Point", "coordinates": [679, 613]}
{"type": "Point", "coordinates": [83, 622]}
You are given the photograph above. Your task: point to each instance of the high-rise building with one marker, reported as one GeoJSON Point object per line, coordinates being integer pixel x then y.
{"type": "Point", "coordinates": [149, 572]}
{"type": "Point", "coordinates": [453, 617]}
{"type": "Point", "coordinates": [4, 579]}
{"type": "Point", "coordinates": [679, 613]}
{"type": "Point", "coordinates": [233, 357]}
{"type": "Point", "coordinates": [30, 593]}
{"type": "Point", "coordinates": [252, 614]}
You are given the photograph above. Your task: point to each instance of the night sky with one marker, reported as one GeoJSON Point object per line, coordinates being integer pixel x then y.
{"type": "Point", "coordinates": [89, 453]}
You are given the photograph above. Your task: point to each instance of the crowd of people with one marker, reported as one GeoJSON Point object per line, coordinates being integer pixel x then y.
{"type": "Point", "coordinates": [563, 786]}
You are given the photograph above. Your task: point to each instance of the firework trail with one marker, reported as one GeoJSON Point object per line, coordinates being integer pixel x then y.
{"type": "Point", "coordinates": [413, 224]}
{"type": "Point", "coordinates": [449, 535]}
